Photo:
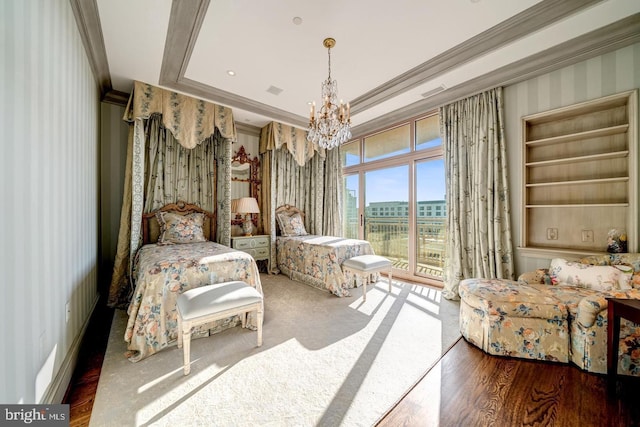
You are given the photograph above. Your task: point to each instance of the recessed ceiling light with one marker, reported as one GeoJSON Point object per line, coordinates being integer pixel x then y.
{"type": "Point", "coordinates": [297, 20]}
{"type": "Point", "coordinates": [231, 72]}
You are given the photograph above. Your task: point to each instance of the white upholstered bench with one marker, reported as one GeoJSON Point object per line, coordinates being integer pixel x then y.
{"type": "Point", "coordinates": [364, 265]}
{"type": "Point", "coordinates": [212, 302]}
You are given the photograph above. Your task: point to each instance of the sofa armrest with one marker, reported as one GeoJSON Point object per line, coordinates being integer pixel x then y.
{"type": "Point", "coordinates": [590, 306]}
{"type": "Point", "coordinates": [537, 277]}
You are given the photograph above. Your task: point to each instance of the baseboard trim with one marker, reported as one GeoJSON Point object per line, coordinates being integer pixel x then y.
{"type": "Point", "coordinates": [57, 389]}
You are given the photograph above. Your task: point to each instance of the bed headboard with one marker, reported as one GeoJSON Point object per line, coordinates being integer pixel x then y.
{"type": "Point", "coordinates": [151, 227]}
{"type": "Point", "coordinates": [287, 210]}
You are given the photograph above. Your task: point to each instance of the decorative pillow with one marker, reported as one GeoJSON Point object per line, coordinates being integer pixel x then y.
{"type": "Point", "coordinates": [596, 277]}
{"type": "Point", "coordinates": [176, 228]}
{"type": "Point", "coordinates": [291, 225]}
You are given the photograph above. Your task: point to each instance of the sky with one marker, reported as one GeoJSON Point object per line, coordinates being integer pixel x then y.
{"type": "Point", "coordinates": [391, 185]}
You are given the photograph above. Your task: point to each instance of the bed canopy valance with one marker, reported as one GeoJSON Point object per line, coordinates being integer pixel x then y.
{"type": "Point", "coordinates": [190, 120]}
{"type": "Point", "coordinates": [276, 135]}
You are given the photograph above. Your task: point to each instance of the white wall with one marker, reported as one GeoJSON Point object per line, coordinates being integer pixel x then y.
{"type": "Point", "coordinates": [608, 74]}
{"type": "Point", "coordinates": [49, 195]}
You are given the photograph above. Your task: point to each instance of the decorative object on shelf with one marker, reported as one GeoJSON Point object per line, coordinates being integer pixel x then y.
{"type": "Point", "coordinates": [246, 206]}
{"type": "Point", "coordinates": [332, 125]}
{"type": "Point", "coordinates": [616, 241]}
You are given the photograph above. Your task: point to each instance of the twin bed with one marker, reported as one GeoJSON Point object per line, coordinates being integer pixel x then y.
{"type": "Point", "coordinates": [316, 260]}
{"type": "Point", "coordinates": [178, 254]}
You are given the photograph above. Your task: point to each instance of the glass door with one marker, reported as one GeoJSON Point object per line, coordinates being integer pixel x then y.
{"type": "Point", "coordinates": [386, 213]}
{"type": "Point", "coordinates": [351, 206]}
{"type": "Point", "coordinates": [430, 218]}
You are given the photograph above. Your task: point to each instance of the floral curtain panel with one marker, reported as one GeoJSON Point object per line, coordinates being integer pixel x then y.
{"type": "Point", "coordinates": [175, 173]}
{"type": "Point", "coordinates": [183, 157]}
{"type": "Point", "coordinates": [478, 223]}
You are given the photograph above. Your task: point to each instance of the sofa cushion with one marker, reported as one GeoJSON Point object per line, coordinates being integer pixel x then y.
{"type": "Point", "coordinates": [582, 304]}
{"type": "Point", "coordinates": [499, 297]}
{"type": "Point", "coordinates": [597, 277]}
{"type": "Point", "coordinates": [622, 259]}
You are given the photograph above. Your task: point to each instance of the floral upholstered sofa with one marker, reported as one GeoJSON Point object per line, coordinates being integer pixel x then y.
{"type": "Point", "coordinates": [556, 314]}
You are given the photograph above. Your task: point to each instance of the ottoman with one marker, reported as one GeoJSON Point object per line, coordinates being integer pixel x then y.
{"type": "Point", "coordinates": [205, 304]}
{"type": "Point", "coordinates": [365, 265]}
{"type": "Point", "coordinates": [507, 318]}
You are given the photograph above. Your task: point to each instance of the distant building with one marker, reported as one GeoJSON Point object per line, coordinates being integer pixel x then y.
{"type": "Point", "coordinates": [426, 209]}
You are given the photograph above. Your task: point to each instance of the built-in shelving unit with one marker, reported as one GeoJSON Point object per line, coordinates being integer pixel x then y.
{"type": "Point", "coordinates": [580, 177]}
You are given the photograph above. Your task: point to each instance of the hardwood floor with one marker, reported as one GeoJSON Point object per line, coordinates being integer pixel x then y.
{"type": "Point", "coordinates": [465, 388]}
{"type": "Point", "coordinates": [84, 382]}
{"type": "Point", "coordinates": [468, 387]}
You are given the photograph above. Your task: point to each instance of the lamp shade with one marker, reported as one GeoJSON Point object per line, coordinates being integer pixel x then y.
{"type": "Point", "coordinates": [234, 205]}
{"type": "Point", "coordinates": [247, 205]}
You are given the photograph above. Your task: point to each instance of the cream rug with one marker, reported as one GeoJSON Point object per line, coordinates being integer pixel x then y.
{"type": "Point", "coordinates": [325, 361]}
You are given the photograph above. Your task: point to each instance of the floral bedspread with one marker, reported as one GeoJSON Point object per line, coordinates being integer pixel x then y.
{"type": "Point", "coordinates": [317, 261]}
{"type": "Point", "coordinates": [162, 272]}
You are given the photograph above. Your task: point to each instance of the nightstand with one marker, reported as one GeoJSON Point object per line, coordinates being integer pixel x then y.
{"type": "Point", "coordinates": [257, 246]}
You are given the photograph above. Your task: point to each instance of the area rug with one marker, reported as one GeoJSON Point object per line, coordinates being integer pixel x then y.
{"type": "Point", "coordinates": [325, 361]}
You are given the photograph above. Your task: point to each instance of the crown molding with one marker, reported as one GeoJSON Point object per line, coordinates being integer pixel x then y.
{"type": "Point", "coordinates": [248, 129]}
{"type": "Point", "coordinates": [187, 17]}
{"type": "Point", "coordinates": [184, 25]}
{"type": "Point", "coordinates": [185, 22]}
{"type": "Point", "coordinates": [605, 39]}
{"type": "Point", "coordinates": [530, 20]}
{"type": "Point", "coordinates": [229, 99]}
{"type": "Point", "coordinates": [116, 97]}
{"type": "Point", "coordinates": [88, 22]}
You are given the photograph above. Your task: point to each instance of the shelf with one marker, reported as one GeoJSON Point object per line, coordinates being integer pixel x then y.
{"type": "Point", "coordinates": [550, 253]}
{"type": "Point", "coordinates": [579, 182]}
{"type": "Point", "coordinates": [583, 205]}
{"type": "Point", "coordinates": [613, 130]}
{"type": "Point", "coordinates": [580, 159]}
{"type": "Point", "coordinates": [579, 174]}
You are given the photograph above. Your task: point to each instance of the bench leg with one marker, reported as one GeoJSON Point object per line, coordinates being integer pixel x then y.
{"type": "Point", "coordinates": [390, 275]}
{"type": "Point", "coordinates": [186, 343]}
{"type": "Point", "coordinates": [365, 279]}
{"type": "Point", "coordinates": [179, 331]}
{"type": "Point", "coordinates": [259, 320]}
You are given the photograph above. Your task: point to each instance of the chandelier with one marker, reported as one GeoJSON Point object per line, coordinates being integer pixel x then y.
{"type": "Point", "coordinates": [332, 125]}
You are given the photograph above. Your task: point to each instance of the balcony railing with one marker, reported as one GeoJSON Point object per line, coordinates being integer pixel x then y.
{"type": "Point", "coordinates": [389, 237]}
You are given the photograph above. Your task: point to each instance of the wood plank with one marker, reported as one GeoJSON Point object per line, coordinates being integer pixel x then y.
{"type": "Point", "coordinates": [470, 387]}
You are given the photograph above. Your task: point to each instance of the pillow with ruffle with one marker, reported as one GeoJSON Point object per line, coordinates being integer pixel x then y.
{"type": "Point", "coordinates": [291, 225]}
{"type": "Point", "coordinates": [596, 277]}
{"type": "Point", "coordinates": [176, 228]}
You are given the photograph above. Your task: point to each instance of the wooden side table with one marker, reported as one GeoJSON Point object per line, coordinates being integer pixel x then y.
{"type": "Point", "coordinates": [616, 309]}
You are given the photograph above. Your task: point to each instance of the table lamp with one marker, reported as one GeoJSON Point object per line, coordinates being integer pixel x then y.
{"type": "Point", "coordinates": [247, 206]}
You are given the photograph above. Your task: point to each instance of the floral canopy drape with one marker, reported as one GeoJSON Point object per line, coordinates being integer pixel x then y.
{"type": "Point", "coordinates": [299, 173]}
{"type": "Point", "coordinates": [179, 149]}
{"type": "Point", "coordinates": [478, 223]}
